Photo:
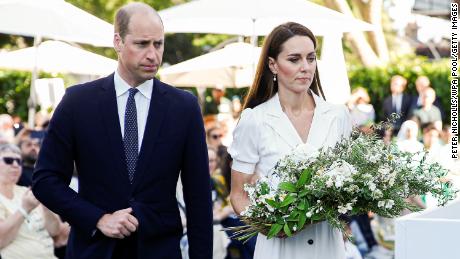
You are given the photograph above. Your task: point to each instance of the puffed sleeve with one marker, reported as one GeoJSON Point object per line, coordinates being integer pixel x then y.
{"type": "Point", "coordinates": [244, 148]}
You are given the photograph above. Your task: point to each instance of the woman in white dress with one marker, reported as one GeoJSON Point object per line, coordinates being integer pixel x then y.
{"type": "Point", "coordinates": [283, 109]}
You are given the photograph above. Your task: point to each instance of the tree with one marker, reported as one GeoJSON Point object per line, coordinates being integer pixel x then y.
{"type": "Point", "coordinates": [372, 48]}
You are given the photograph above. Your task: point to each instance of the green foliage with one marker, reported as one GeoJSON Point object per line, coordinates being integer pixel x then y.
{"type": "Point", "coordinates": [15, 91]}
{"type": "Point", "coordinates": [377, 80]}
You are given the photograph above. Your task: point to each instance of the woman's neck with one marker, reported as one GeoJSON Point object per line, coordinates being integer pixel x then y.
{"type": "Point", "coordinates": [7, 190]}
{"type": "Point", "coordinates": [294, 102]}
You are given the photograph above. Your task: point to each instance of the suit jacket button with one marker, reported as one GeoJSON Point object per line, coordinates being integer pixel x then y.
{"type": "Point", "coordinates": [310, 241]}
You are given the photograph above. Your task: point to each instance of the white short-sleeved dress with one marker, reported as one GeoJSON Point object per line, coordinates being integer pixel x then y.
{"type": "Point", "coordinates": [265, 134]}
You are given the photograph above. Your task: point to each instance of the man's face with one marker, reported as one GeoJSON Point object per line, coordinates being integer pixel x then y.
{"type": "Point", "coordinates": [397, 85]}
{"type": "Point", "coordinates": [30, 148]}
{"type": "Point", "coordinates": [140, 53]}
{"type": "Point", "coordinates": [217, 93]}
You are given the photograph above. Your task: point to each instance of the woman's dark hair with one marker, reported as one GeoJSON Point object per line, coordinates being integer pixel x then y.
{"type": "Point", "coordinates": [263, 87]}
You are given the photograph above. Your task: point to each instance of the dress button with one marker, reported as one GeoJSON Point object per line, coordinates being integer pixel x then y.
{"type": "Point", "coordinates": [310, 241]}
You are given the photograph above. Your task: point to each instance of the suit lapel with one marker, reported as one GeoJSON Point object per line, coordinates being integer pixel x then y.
{"type": "Point", "coordinates": [157, 110]}
{"type": "Point", "coordinates": [109, 114]}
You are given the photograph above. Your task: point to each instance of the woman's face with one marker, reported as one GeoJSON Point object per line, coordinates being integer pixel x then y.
{"type": "Point", "coordinates": [295, 65]}
{"type": "Point", "coordinates": [10, 169]}
{"type": "Point", "coordinates": [215, 138]}
{"type": "Point", "coordinates": [212, 160]}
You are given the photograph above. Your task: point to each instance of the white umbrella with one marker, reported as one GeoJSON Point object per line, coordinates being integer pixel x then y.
{"type": "Point", "coordinates": [54, 19]}
{"type": "Point", "coordinates": [259, 17]}
{"type": "Point", "coordinates": [255, 17]}
{"type": "Point", "coordinates": [60, 57]}
{"type": "Point", "coordinates": [231, 66]}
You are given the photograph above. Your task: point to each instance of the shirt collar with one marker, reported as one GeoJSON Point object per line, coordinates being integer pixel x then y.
{"type": "Point", "coordinates": [121, 87]}
{"type": "Point", "coordinates": [274, 105]}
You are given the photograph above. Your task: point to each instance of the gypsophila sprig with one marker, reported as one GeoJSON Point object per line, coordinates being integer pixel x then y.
{"type": "Point", "coordinates": [359, 174]}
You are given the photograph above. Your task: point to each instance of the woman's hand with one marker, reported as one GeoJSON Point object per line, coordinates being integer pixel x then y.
{"type": "Point", "coordinates": [29, 202]}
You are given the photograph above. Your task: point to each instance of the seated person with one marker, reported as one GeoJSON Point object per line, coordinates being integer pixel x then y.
{"type": "Point", "coordinates": [26, 226]}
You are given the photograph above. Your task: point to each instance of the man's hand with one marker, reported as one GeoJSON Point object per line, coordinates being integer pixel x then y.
{"type": "Point", "coordinates": [119, 224]}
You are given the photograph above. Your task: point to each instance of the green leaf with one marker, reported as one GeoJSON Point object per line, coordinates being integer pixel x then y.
{"type": "Point", "coordinates": [303, 193]}
{"type": "Point", "coordinates": [287, 230]}
{"type": "Point", "coordinates": [293, 216]}
{"type": "Point", "coordinates": [264, 189]}
{"type": "Point", "coordinates": [305, 178]}
{"type": "Point", "coordinates": [302, 219]}
{"type": "Point", "coordinates": [316, 217]}
{"type": "Point", "coordinates": [287, 200]}
{"type": "Point", "coordinates": [287, 186]}
{"type": "Point", "coordinates": [274, 230]}
{"type": "Point", "coordinates": [272, 203]}
{"type": "Point", "coordinates": [301, 205]}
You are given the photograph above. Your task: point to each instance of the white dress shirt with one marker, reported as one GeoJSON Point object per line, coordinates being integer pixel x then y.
{"type": "Point", "coordinates": [397, 102]}
{"type": "Point", "coordinates": [142, 99]}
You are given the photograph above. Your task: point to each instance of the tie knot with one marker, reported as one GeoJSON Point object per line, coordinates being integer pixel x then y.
{"type": "Point", "coordinates": [132, 91]}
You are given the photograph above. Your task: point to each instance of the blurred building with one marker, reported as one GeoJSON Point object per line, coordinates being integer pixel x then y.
{"type": "Point", "coordinates": [425, 24]}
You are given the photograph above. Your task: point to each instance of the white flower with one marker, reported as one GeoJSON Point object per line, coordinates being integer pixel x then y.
{"type": "Point", "coordinates": [373, 158]}
{"type": "Point", "coordinates": [329, 182]}
{"type": "Point", "coordinates": [381, 204]}
{"type": "Point", "coordinates": [303, 152]}
{"type": "Point", "coordinates": [342, 210]}
{"type": "Point", "coordinates": [245, 212]}
{"type": "Point", "coordinates": [384, 170]}
{"type": "Point", "coordinates": [309, 214]}
{"type": "Point", "coordinates": [270, 208]}
{"type": "Point", "coordinates": [339, 182]}
{"type": "Point", "coordinates": [389, 204]}
{"type": "Point", "coordinates": [377, 193]}
{"type": "Point", "coordinates": [372, 186]}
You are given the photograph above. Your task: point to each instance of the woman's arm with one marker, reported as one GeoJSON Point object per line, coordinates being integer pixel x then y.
{"type": "Point", "coordinates": [238, 197]}
{"type": "Point", "coordinates": [9, 228]}
{"type": "Point", "coordinates": [52, 222]}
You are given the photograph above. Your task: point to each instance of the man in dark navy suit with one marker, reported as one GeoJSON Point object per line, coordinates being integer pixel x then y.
{"type": "Point", "coordinates": [129, 136]}
{"type": "Point", "coordinates": [398, 102]}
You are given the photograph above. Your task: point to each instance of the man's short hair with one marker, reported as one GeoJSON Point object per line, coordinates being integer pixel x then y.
{"type": "Point", "coordinates": [124, 13]}
{"type": "Point", "coordinates": [121, 22]}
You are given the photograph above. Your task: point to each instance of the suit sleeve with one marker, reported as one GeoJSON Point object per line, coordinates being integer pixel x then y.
{"type": "Point", "coordinates": [54, 171]}
{"type": "Point", "coordinates": [197, 188]}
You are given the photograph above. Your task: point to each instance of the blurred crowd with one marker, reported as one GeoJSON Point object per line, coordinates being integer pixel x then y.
{"type": "Point", "coordinates": [27, 226]}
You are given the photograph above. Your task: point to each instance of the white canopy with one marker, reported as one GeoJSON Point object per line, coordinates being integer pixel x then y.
{"type": "Point", "coordinates": [255, 17]}
{"type": "Point", "coordinates": [57, 56]}
{"type": "Point", "coordinates": [231, 66]}
{"type": "Point", "coordinates": [54, 19]}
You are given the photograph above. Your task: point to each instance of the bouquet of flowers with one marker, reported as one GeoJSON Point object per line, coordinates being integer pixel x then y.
{"type": "Point", "coordinates": [359, 174]}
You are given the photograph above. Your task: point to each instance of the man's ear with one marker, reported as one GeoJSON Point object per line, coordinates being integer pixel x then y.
{"type": "Point", "coordinates": [272, 65]}
{"type": "Point", "coordinates": [117, 42]}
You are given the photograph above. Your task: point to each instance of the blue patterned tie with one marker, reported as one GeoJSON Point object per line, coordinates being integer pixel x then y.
{"type": "Point", "coordinates": [130, 140]}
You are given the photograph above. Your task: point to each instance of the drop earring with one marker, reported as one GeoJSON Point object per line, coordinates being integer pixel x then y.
{"type": "Point", "coordinates": [274, 77]}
